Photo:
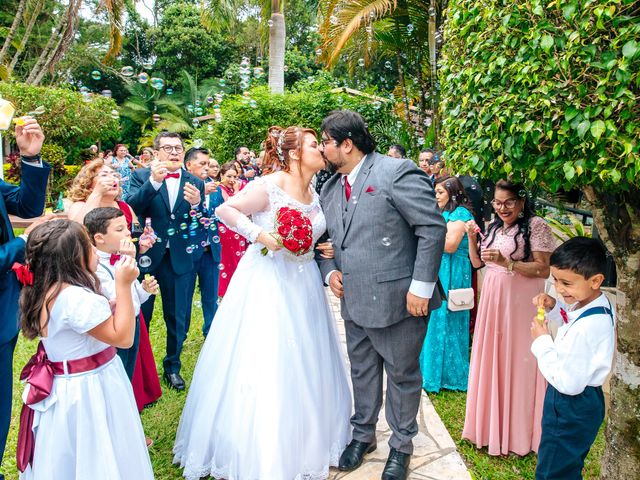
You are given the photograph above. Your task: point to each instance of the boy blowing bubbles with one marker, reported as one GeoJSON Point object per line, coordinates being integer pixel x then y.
{"type": "Point", "coordinates": [109, 232]}
{"type": "Point", "coordinates": [577, 362]}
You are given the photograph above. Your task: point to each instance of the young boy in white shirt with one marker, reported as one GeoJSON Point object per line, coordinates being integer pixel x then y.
{"type": "Point", "coordinates": [108, 230]}
{"type": "Point", "coordinates": [577, 362]}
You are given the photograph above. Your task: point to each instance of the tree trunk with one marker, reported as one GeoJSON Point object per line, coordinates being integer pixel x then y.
{"type": "Point", "coordinates": [45, 51]}
{"type": "Point", "coordinates": [403, 87]}
{"type": "Point", "coordinates": [13, 30]}
{"type": "Point", "coordinates": [277, 37]}
{"type": "Point", "coordinates": [617, 217]}
{"type": "Point", "coordinates": [27, 34]}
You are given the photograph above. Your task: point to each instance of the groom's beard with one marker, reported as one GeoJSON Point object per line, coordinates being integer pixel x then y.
{"type": "Point", "coordinates": [334, 165]}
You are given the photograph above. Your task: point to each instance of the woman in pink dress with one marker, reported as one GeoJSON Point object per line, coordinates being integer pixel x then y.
{"type": "Point", "coordinates": [232, 245]}
{"type": "Point", "coordinates": [506, 390]}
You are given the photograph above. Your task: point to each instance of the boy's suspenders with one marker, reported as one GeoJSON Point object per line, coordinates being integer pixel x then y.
{"type": "Point", "coordinates": [100, 265]}
{"type": "Point", "coordinates": [597, 311]}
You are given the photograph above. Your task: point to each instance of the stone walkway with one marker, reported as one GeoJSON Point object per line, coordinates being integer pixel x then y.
{"type": "Point", "coordinates": [435, 456]}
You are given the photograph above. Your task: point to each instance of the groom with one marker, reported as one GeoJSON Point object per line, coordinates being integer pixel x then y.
{"type": "Point", "coordinates": [388, 237]}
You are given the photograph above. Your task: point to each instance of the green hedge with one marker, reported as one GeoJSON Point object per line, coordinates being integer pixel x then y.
{"type": "Point", "coordinates": [245, 121]}
{"type": "Point", "coordinates": [544, 91]}
{"type": "Point", "coordinates": [68, 120]}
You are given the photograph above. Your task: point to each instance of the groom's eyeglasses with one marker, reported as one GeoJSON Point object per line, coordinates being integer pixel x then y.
{"type": "Point", "coordinates": [325, 141]}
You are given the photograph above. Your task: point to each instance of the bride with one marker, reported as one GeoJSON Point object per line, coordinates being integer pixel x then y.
{"type": "Point", "coordinates": [269, 398]}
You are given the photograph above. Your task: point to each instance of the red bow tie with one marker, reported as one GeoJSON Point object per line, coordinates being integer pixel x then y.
{"type": "Point", "coordinates": [173, 175]}
{"type": "Point", "coordinates": [114, 258]}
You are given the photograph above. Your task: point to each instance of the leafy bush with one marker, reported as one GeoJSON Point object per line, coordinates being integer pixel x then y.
{"type": "Point", "coordinates": [67, 120]}
{"type": "Point", "coordinates": [245, 121]}
{"type": "Point", "coordinates": [546, 92]}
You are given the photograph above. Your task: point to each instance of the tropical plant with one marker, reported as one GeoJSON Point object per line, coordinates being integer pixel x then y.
{"type": "Point", "coordinates": [547, 93]}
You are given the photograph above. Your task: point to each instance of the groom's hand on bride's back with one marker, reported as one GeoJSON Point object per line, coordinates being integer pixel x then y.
{"type": "Point", "coordinates": [335, 284]}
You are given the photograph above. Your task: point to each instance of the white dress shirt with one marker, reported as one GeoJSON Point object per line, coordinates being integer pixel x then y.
{"type": "Point", "coordinates": [173, 187]}
{"type": "Point", "coordinates": [417, 288]}
{"type": "Point", "coordinates": [582, 353]}
{"type": "Point", "coordinates": [106, 274]}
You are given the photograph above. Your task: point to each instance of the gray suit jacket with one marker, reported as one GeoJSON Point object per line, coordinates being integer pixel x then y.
{"type": "Point", "coordinates": [388, 234]}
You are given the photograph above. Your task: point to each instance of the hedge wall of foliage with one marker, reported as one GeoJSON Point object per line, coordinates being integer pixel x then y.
{"type": "Point", "coordinates": [68, 120]}
{"type": "Point", "coordinates": [544, 91]}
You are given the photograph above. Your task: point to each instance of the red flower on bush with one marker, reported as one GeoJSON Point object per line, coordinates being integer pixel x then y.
{"type": "Point", "coordinates": [294, 229]}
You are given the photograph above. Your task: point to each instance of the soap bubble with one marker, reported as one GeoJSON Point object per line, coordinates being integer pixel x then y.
{"type": "Point", "coordinates": [209, 99]}
{"type": "Point", "coordinates": [96, 75]}
{"type": "Point", "coordinates": [199, 111]}
{"type": "Point", "coordinates": [203, 243]}
{"type": "Point", "coordinates": [386, 241]}
{"type": "Point", "coordinates": [258, 72]}
{"type": "Point", "coordinates": [223, 275]}
{"type": "Point", "coordinates": [319, 52]}
{"type": "Point", "coordinates": [361, 62]}
{"type": "Point", "coordinates": [420, 140]}
{"type": "Point", "coordinates": [115, 114]}
{"type": "Point", "coordinates": [190, 108]}
{"type": "Point", "coordinates": [333, 20]}
{"type": "Point", "coordinates": [522, 193]}
{"type": "Point", "coordinates": [143, 77]}
{"type": "Point", "coordinates": [171, 232]}
{"type": "Point", "coordinates": [210, 128]}
{"type": "Point", "coordinates": [197, 143]}
{"type": "Point", "coordinates": [127, 71]}
{"type": "Point", "coordinates": [183, 226]}
{"type": "Point", "coordinates": [169, 91]}
{"type": "Point", "coordinates": [376, 105]}
{"type": "Point", "coordinates": [253, 103]}
{"type": "Point", "coordinates": [236, 236]}
{"type": "Point", "coordinates": [388, 65]}
{"type": "Point", "coordinates": [197, 303]}
{"type": "Point", "coordinates": [270, 23]}
{"type": "Point", "coordinates": [189, 249]}
{"type": "Point", "coordinates": [368, 28]}
{"type": "Point", "coordinates": [222, 82]}
{"type": "Point", "coordinates": [432, 11]}
{"type": "Point", "coordinates": [195, 122]}
{"type": "Point", "coordinates": [148, 65]}
{"type": "Point", "coordinates": [144, 261]}
{"type": "Point", "coordinates": [215, 239]}
{"type": "Point", "coordinates": [221, 266]}
{"type": "Point", "coordinates": [84, 90]}
{"type": "Point", "coordinates": [157, 83]}
{"type": "Point", "coordinates": [219, 97]}
{"type": "Point", "coordinates": [410, 28]}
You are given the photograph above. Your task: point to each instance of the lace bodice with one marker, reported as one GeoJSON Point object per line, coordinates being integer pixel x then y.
{"type": "Point", "coordinates": [254, 209]}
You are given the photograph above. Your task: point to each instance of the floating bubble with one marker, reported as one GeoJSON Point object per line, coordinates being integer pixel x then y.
{"type": "Point", "coordinates": [242, 244]}
{"type": "Point", "coordinates": [222, 229]}
{"type": "Point", "coordinates": [171, 232]}
{"type": "Point", "coordinates": [258, 72]}
{"type": "Point", "coordinates": [84, 90]}
{"type": "Point", "coordinates": [285, 68]}
{"type": "Point", "coordinates": [195, 122]}
{"type": "Point", "coordinates": [156, 118]}
{"type": "Point", "coordinates": [221, 266]}
{"type": "Point", "coordinates": [236, 236]}
{"type": "Point", "coordinates": [333, 20]}
{"type": "Point", "coordinates": [169, 91]}
{"type": "Point", "coordinates": [209, 99]}
{"type": "Point", "coordinates": [197, 303]}
{"type": "Point", "coordinates": [270, 23]}
{"type": "Point", "coordinates": [372, 14]}
{"type": "Point", "coordinates": [127, 71]}
{"type": "Point", "coordinates": [198, 103]}
{"type": "Point", "coordinates": [388, 65]}
{"type": "Point", "coordinates": [210, 128]}
{"type": "Point", "coordinates": [368, 28]}
{"type": "Point", "coordinates": [197, 143]}
{"type": "Point", "coordinates": [420, 140]}
{"type": "Point", "coordinates": [361, 62]}
{"type": "Point", "coordinates": [157, 83]}
{"type": "Point", "coordinates": [199, 111]}
{"type": "Point", "coordinates": [190, 249]}
{"type": "Point", "coordinates": [115, 114]}
{"type": "Point", "coordinates": [144, 261]}
{"type": "Point", "coordinates": [253, 103]}
{"type": "Point", "coordinates": [432, 11]}
{"type": "Point", "coordinates": [183, 226]}
{"type": "Point", "coordinates": [410, 28]}
{"type": "Point", "coordinates": [219, 97]}
{"type": "Point", "coordinates": [106, 93]}
{"type": "Point", "coordinates": [222, 82]}
{"type": "Point", "coordinates": [190, 108]}
{"type": "Point", "coordinates": [96, 75]}
{"type": "Point", "coordinates": [143, 77]}
{"type": "Point", "coordinates": [219, 301]}
{"type": "Point", "coordinates": [386, 241]}
{"type": "Point", "coordinates": [376, 105]}
{"type": "Point", "coordinates": [238, 254]}
{"type": "Point", "coordinates": [39, 110]}
{"type": "Point", "coordinates": [215, 239]}
{"type": "Point", "coordinates": [522, 193]}
{"type": "Point", "coordinates": [223, 275]}
{"type": "Point", "coordinates": [319, 52]}
{"type": "Point", "coordinates": [203, 243]}
{"type": "Point", "coordinates": [148, 65]}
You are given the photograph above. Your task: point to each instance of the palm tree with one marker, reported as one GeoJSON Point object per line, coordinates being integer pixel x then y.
{"type": "Point", "coordinates": [33, 16]}
{"type": "Point", "coordinates": [224, 14]}
{"type": "Point", "coordinates": [22, 6]}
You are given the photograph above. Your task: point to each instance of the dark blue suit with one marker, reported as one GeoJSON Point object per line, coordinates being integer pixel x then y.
{"type": "Point", "coordinates": [206, 261]}
{"type": "Point", "coordinates": [172, 267]}
{"type": "Point", "coordinates": [26, 201]}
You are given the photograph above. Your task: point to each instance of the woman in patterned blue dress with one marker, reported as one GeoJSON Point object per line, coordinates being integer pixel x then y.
{"type": "Point", "coordinates": [444, 360]}
{"type": "Point", "coordinates": [121, 163]}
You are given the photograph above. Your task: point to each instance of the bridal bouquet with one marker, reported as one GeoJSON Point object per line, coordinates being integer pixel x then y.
{"type": "Point", "coordinates": [293, 231]}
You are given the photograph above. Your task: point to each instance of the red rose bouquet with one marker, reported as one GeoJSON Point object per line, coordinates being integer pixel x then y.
{"type": "Point", "coordinates": [293, 231]}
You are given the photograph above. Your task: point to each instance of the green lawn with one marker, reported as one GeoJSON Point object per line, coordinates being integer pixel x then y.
{"type": "Point", "coordinates": [451, 408]}
{"type": "Point", "coordinates": [161, 420]}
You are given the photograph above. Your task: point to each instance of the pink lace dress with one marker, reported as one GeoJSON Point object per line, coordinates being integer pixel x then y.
{"type": "Point", "coordinates": [506, 390]}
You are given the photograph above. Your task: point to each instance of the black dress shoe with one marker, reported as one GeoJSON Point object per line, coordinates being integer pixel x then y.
{"type": "Point", "coordinates": [174, 380]}
{"type": "Point", "coordinates": [397, 466]}
{"type": "Point", "coordinates": [352, 456]}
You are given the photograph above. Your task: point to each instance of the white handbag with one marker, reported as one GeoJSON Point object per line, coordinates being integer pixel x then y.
{"type": "Point", "coordinates": [461, 299]}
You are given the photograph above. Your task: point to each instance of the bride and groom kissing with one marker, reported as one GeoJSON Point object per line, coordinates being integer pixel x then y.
{"type": "Point", "coordinates": [270, 397]}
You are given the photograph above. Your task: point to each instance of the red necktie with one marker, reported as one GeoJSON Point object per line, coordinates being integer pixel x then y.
{"type": "Point", "coordinates": [173, 175]}
{"type": "Point", "coordinates": [114, 258]}
{"type": "Point", "coordinates": [347, 188]}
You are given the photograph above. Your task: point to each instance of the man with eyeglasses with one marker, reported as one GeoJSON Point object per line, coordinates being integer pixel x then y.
{"type": "Point", "coordinates": [167, 194]}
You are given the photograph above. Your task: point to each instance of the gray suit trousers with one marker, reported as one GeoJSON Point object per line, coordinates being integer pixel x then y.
{"type": "Point", "coordinates": [397, 349]}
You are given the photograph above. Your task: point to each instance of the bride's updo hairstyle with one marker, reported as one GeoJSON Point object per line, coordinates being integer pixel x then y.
{"type": "Point", "coordinates": [278, 146]}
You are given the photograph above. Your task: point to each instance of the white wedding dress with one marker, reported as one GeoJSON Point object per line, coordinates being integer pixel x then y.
{"type": "Point", "coordinates": [269, 399]}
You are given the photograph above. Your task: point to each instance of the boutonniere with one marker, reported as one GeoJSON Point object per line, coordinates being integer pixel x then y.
{"type": "Point", "coordinates": [370, 189]}
{"type": "Point", "coordinates": [563, 314]}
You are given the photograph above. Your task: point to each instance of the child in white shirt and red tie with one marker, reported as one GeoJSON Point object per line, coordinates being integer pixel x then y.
{"type": "Point", "coordinates": [575, 363]}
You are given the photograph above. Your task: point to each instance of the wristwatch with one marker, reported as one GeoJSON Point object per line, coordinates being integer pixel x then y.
{"type": "Point", "coordinates": [31, 159]}
{"type": "Point", "coordinates": [510, 265]}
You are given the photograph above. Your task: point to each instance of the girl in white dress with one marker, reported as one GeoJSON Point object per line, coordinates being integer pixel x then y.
{"type": "Point", "coordinates": [88, 426]}
{"type": "Point", "coordinates": [270, 398]}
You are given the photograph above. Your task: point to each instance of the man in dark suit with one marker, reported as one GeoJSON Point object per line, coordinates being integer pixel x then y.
{"type": "Point", "coordinates": [206, 257]}
{"type": "Point", "coordinates": [26, 201]}
{"type": "Point", "coordinates": [167, 194]}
